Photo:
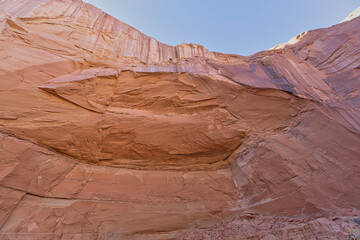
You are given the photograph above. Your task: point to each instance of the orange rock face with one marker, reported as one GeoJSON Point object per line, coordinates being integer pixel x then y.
{"type": "Point", "coordinates": [106, 133]}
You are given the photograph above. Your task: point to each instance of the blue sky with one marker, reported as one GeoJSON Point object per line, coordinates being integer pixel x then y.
{"type": "Point", "coordinates": [229, 26]}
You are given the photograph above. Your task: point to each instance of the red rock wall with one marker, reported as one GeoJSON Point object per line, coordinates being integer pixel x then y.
{"type": "Point", "coordinates": [107, 133]}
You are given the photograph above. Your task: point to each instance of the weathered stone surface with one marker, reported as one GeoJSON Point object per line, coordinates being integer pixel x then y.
{"type": "Point", "coordinates": [106, 133]}
{"type": "Point", "coordinates": [272, 228]}
{"type": "Point", "coordinates": [63, 196]}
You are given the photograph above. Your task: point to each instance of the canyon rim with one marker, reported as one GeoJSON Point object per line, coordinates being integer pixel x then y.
{"type": "Point", "coordinates": [106, 133]}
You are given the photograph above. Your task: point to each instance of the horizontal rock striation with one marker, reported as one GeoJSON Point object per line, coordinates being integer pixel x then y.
{"type": "Point", "coordinates": [106, 133]}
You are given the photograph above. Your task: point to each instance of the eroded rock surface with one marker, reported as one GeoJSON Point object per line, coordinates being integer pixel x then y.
{"type": "Point", "coordinates": [106, 133]}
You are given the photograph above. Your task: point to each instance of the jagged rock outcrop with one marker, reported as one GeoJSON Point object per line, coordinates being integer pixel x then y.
{"type": "Point", "coordinates": [106, 133]}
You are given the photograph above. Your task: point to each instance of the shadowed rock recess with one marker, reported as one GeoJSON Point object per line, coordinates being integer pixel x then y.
{"type": "Point", "coordinates": [106, 133]}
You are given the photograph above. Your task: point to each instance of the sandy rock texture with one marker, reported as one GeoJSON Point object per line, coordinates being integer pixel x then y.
{"type": "Point", "coordinates": [106, 133]}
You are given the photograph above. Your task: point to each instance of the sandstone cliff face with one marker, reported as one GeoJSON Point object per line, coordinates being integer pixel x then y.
{"type": "Point", "coordinates": [106, 133]}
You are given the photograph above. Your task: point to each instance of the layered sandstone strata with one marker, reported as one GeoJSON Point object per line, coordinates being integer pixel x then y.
{"type": "Point", "coordinates": [107, 133]}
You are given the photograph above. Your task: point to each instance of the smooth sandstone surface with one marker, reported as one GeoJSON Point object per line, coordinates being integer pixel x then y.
{"type": "Point", "coordinates": [106, 133]}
